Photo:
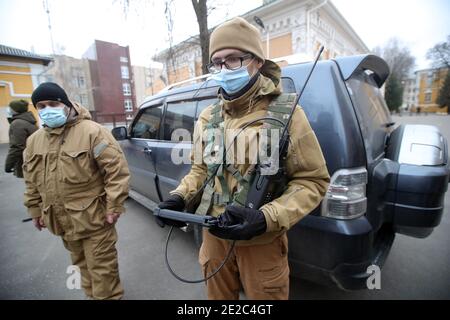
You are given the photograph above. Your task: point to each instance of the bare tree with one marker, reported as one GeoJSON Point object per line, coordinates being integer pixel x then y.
{"type": "Point", "coordinates": [169, 24]}
{"type": "Point", "coordinates": [400, 62]}
{"type": "Point", "coordinates": [440, 54]}
{"type": "Point", "coordinates": [201, 11]}
{"type": "Point", "coordinates": [202, 8]}
{"type": "Point", "coordinates": [397, 56]}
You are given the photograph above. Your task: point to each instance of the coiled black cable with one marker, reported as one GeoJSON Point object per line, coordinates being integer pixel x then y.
{"type": "Point", "coordinates": [196, 193]}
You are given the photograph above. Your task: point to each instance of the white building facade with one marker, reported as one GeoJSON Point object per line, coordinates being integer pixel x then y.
{"type": "Point", "coordinates": [295, 28]}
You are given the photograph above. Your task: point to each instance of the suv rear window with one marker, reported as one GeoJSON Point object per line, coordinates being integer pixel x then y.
{"type": "Point", "coordinates": [372, 113]}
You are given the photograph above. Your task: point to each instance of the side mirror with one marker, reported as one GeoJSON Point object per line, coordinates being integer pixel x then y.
{"type": "Point", "coordinates": [120, 133]}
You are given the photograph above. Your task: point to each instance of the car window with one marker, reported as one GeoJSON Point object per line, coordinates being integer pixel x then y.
{"type": "Point", "coordinates": [372, 112]}
{"type": "Point", "coordinates": [288, 85]}
{"type": "Point", "coordinates": [147, 124]}
{"type": "Point", "coordinates": [179, 115]}
{"type": "Point", "coordinates": [202, 104]}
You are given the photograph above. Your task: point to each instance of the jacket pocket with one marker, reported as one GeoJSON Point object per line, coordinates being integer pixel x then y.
{"type": "Point", "coordinates": [87, 214]}
{"type": "Point", "coordinates": [76, 166]}
{"type": "Point", "coordinates": [274, 272]}
{"type": "Point", "coordinates": [275, 281]}
{"type": "Point", "coordinates": [35, 169]}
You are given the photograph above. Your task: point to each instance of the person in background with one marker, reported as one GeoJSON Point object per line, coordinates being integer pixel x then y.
{"type": "Point", "coordinates": [22, 125]}
{"type": "Point", "coordinates": [77, 180]}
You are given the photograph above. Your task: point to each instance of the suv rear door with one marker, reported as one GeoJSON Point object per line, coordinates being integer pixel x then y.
{"type": "Point", "coordinates": [412, 192]}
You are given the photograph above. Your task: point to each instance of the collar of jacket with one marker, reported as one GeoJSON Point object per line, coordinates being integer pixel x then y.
{"type": "Point", "coordinates": [246, 103]}
{"type": "Point", "coordinates": [27, 116]}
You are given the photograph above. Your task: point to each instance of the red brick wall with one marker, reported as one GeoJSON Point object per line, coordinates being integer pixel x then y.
{"type": "Point", "coordinates": [107, 79]}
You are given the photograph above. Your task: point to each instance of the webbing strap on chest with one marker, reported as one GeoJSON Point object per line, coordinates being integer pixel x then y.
{"type": "Point", "coordinates": [212, 146]}
{"type": "Point", "coordinates": [279, 108]}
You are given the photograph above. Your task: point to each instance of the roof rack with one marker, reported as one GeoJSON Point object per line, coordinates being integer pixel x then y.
{"type": "Point", "coordinates": [177, 84]}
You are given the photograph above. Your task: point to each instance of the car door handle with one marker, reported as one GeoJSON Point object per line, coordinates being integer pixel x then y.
{"type": "Point", "coordinates": [148, 151]}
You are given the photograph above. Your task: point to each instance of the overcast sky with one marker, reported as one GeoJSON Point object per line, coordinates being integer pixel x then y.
{"type": "Point", "coordinates": [76, 23]}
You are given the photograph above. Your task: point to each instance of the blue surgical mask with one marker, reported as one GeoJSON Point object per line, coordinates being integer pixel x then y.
{"type": "Point", "coordinates": [232, 80]}
{"type": "Point", "coordinates": [53, 117]}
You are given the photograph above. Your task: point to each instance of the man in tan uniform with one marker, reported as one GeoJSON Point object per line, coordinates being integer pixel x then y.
{"type": "Point", "coordinates": [76, 183]}
{"type": "Point", "coordinates": [249, 84]}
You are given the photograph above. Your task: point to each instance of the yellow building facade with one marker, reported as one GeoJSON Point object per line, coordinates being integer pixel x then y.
{"type": "Point", "coordinates": [430, 82]}
{"type": "Point", "coordinates": [19, 76]}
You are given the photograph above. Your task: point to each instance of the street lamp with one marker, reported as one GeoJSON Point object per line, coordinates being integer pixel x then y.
{"type": "Point", "coordinates": [261, 24]}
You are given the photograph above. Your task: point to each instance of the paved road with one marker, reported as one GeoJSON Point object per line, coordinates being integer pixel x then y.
{"type": "Point", "coordinates": [33, 264]}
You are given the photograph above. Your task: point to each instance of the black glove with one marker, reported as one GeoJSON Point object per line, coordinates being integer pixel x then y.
{"type": "Point", "coordinates": [174, 202]}
{"type": "Point", "coordinates": [239, 223]}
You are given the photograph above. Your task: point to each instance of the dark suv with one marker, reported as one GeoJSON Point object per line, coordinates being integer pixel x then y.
{"type": "Point", "coordinates": [384, 179]}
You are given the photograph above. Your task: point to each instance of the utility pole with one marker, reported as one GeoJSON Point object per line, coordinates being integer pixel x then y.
{"type": "Point", "coordinates": [47, 10]}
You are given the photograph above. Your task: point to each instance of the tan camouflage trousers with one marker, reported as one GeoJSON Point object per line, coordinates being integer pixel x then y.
{"type": "Point", "coordinates": [96, 256]}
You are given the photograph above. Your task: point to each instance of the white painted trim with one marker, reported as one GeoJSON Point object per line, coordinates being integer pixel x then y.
{"type": "Point", "coordinates": [11, 90]}
{"type": "Point", "coordinates": [36, 72]}
{"type": "Point", "coordinates": [15, 64]}
{"type": "Point", "coordinates": [15, 72]}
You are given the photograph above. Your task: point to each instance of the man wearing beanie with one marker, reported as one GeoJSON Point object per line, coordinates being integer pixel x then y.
{"type": "Point", "coordinates": [250, 88]}
{"type": "Point", "coordinates": [76, 184]}
{"type": "Point", "coordinates": [22, 125]}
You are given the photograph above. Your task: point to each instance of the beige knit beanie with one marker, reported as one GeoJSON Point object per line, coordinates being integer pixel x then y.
{"type": "Point", "coordinates": [236, 33]}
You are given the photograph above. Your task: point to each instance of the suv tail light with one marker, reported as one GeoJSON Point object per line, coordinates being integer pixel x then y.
{"type": "Point", "coordinates": [346, 195]}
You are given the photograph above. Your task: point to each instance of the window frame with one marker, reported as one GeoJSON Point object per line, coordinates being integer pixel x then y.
{"type": "Point", "coordinates": [124, 75]}
{"type": "Point", "coordinates": [125, 107]}
{"type": "Point", "coordinates": [126, 92]}
{"type": "Point", "coordinates": [139, 115]}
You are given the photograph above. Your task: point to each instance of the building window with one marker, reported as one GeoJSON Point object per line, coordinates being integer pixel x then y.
{"type": "Point", "coordinates": [124, 59]}
{"type": "Point", "coordinates": [81, 83]}
{"type": "Point", "coordinates": [125, 72]}
{"type": "Point", "coordinates": [128, 104]}
{"type": "Point", "coordinates": [428, 97]}
{"type": "Point", "coordinates": [126, 89]}
{"type": "Point", "coordinates": [429, 79]}
{"type": "Point", "coordinates": [84, 99]}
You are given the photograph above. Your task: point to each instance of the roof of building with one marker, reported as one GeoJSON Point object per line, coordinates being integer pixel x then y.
{"type": "Point", "coordinates": [19, 53]}
{"type": "Point", "coordinates": [432, 69]}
